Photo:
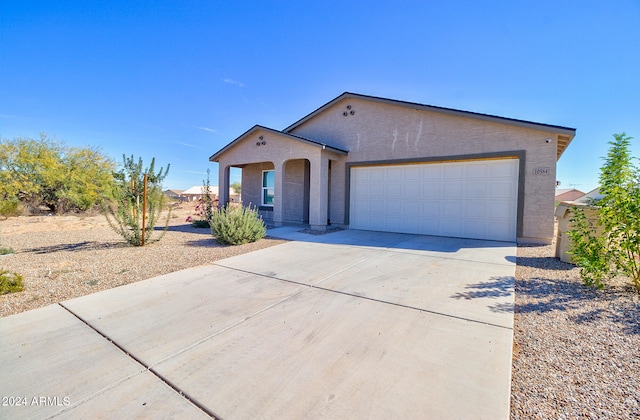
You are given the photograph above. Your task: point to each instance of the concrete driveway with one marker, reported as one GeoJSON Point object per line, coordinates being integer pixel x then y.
{"type": "Point", "coordinates": [349, 324]}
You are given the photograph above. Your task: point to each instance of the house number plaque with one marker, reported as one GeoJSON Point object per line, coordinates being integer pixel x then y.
{"type": "Point", "coordinates": [542, 171]}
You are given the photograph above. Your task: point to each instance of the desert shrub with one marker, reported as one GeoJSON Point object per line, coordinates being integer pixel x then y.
{"type": "Point", "coordinates": [236, 225]}
{"type": "Point", "coordinates": [10, 207]}
{"type": "Point", "coordinates": [10, 282]}
{"type": "Point", "coordinates": [616, 251]}
{"type": "Point", "coordinates": [129, 214]}
{"type": "Point", "coordinates": [588, 250]}
{"type": "Point", "coordinates": [204, 209]}
{"type": "Point", "coordinates": [200, 224]}
{"type": "Point", "coordinates": [5, 250]}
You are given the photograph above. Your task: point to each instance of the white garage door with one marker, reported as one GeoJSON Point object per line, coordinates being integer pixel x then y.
{"type": "Point", "coordinates": [470, 199]}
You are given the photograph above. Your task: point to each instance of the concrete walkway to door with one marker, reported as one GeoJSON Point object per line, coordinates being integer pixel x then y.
{"type": "Point", "coordinates": [348, 324]}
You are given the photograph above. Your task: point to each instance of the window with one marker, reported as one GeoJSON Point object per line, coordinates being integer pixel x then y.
{"type": "Point", "coordinates": [268, 182]}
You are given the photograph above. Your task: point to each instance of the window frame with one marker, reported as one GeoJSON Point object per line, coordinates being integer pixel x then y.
{"type": "Point", "coordinates": [265, 189]}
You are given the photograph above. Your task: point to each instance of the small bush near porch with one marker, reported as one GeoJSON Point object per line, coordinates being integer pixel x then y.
{"type": "Point", "coordinates": [237, 225]}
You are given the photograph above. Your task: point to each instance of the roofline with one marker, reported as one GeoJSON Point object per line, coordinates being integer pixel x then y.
{"type": "Point", "coordinates": [566, 131]}
{"type": "Point", "coordinates": [451, 111]}
{"type": "Point", "coordinates": [216, 156]}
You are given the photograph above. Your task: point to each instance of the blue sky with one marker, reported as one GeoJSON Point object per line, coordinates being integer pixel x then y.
{"type": "Point", "coordinates": [177, 80]}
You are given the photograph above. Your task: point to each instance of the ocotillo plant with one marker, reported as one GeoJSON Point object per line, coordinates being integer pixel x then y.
{"type": "Point", "coordinates": [137, 202]}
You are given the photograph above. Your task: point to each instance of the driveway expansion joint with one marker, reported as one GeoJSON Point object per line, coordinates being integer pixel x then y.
{"type": "Point", "coordinates": [138, 361]}
{"type": "Point", "coordinates": [315, 286]}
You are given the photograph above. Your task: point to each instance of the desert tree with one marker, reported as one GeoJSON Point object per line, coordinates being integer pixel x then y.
{"type": "Point", "coordinates": [616, 250]}
{"type": "Point", "coordinates": [46, 172]}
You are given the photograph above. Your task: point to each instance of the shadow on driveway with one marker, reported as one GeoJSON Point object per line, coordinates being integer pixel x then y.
{"type": "Point", "coordinates": [387, 240]}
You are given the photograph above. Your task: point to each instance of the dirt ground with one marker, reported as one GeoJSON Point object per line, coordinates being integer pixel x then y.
{"type": "Point", "coordinates": [62, 257]}
{"type": "Point", "coordinates": [48, 223]}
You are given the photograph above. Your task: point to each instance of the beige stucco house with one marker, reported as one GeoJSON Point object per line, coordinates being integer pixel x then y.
{"type": "Point", "coordinates": [378, 164]}
{"type": "Point", "coordinates": [568, 194]}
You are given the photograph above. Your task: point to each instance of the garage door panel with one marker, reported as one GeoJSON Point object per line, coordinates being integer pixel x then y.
{"type": "Point", "coordinates": [393, 191]}
{"type": "Point", "coordinates": [452, 227]}
{"type": "Point", "coordinates": [411, 189]}
{"type": "Point", "coordinates": [498, 210]}
{"type": "Point", "coordinates": [453, 189]}
{"type": "Point", "coordinates": [358, 207]}
{"type": "Point", "coordinates": [429, 225]}
{"type": "Point", "coordinates": [498, 229]}
{"type": "Point", "coordinates": [376, 175]}
{"type": "Point", "coordinates": [503, 169]}
{"type": "Point", "coordinates": [431, 171]}
{"type": "Point", "coordinates": [431, 209]}
{"type": "Point", "coordinates": [475, 210]}
{"type": "Point", "coordinates": [477, 171]}
{"type": "Point", "coordinates": [475, 228]}
{"type": "Point", "coordinates": [501, 189]}
{"type": "Point", "coordinates": [394, 174]}
{"type": "Point", "coordinates": [412, 173]}
{"type": "Point", "coordinates": [392, 224]}
{"type": "Point", "coordinates": [377, 193]}
{"type": "Point", "coordinates": [453, 171]}
{"type": "Point", "coordinates": [474, 199]}
{"type": "Point", "coordinates": [411, 208]}
{"type": "Point", "coordinates": [432, 189]}
{"type": "Point", "coordinates": [475, 189]}
{"type": "Point", "coordinates": [453, 209]}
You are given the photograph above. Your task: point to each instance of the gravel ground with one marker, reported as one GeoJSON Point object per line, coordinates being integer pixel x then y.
{"type": "Point", "coordinates": [576, 350]}
{"type": "Point", "coordinates": [88, 256]}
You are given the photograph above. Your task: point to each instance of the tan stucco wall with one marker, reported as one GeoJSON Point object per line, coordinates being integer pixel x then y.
{"type": "Point", "coordinates": [385, 132]}
{"type": "Point", "coordinates": [252, 187]}
{"type": "Point", "coordinates": [296, 191]}
{"type": "Point", "coordinates": [280, 151]}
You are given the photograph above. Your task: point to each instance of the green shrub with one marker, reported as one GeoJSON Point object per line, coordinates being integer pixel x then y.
{"type": "Point", "coordinates": [10, 207]}
{"type": "Point", "coordinates": [200, 224]}
{"type": "Point", "coordinates": [5, 250]}
{"type": "Point", "coordinates": [204, 209]}
{"type": "Point", "coordinates": [46, 172]}
{"type": "Point", "coordinates": [236, 225]}
{"type": "Point", "coordinates": [588, 250]}
{"type": "Point", "coordinates": [131, 215]}
{"type": "Point", "coordinates": [616, 251]}
{"type": "Point", "coordinates": [10, 282]}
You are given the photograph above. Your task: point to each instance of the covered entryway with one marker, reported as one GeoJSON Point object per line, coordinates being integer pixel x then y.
{"type": "Point", "coordinates": [466, 199]}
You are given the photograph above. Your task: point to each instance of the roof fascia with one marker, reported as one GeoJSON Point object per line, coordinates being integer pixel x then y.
{"type": "Point", "coordinates": [564, 131]}
{"type": "Point", "coordinates": [323, 146]}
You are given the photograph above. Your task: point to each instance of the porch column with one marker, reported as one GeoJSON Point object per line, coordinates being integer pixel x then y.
{"type": "Point", "coordinates": [319, 192]}
{"type": "Point", "coordinates": [223, 184]}
{"type": "Point", "coordinates": [278, 191]}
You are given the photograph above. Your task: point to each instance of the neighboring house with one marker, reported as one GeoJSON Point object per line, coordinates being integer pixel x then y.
{"type": "Point", "coordinates": [378, 164]}
{"type": "Point", "coordinates": [174, 194]}
{"type": "Point", "coordinates": [195, 193]}
{"type": "Point", "coordinates": [568, 194]}
{"type": "Point", "coordinates": [593, 195]}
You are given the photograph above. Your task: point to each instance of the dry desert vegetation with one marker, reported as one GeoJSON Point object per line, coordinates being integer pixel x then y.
{"type": "Point", "coordinates": [62, 257]}
{"type": "Point", "coordinates": [576, 349]}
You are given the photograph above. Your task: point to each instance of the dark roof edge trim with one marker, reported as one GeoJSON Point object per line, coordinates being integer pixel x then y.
{"type": "Point", "coordinates": [215, 156]}
{"type": "Point", "coordinates": [451, 111]}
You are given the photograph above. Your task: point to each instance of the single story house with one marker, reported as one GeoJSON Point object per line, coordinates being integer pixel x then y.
{"type": "Point", "coordinates": [568, 194]}
{"type": "Point", "coordinates": [593, 195]}
{"type": "Point", "coordinates": [195, 193]}
{"type": "Point", "coordinates": [370, 163]}
{"type": "Point", "coordinates": [174, 194]}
